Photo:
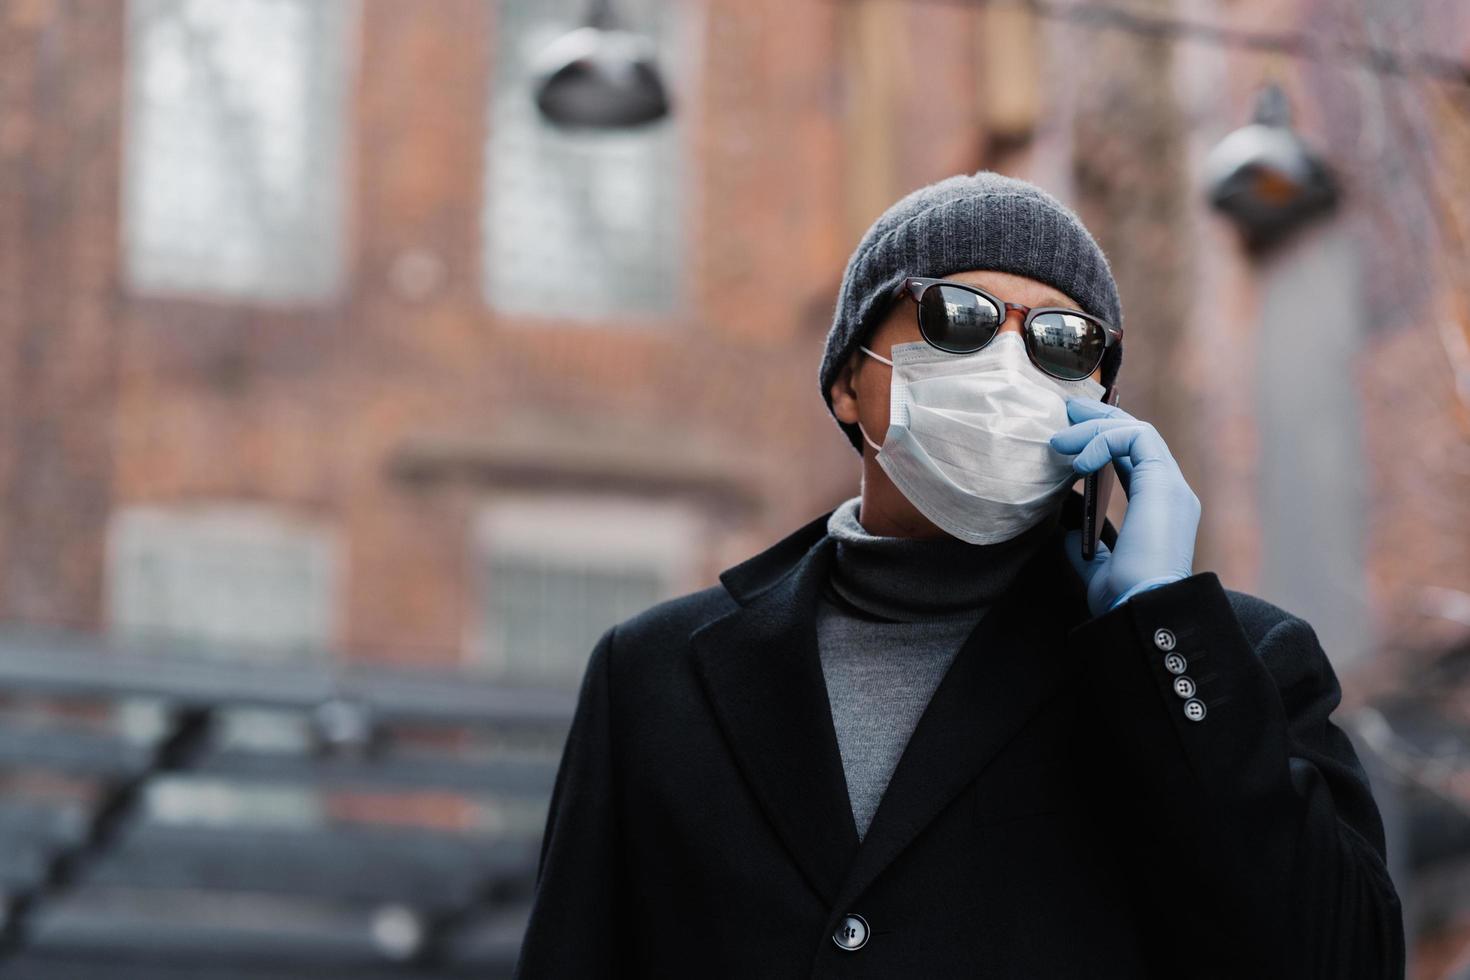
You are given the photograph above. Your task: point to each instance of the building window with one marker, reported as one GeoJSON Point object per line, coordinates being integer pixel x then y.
{"type": "Point", "coordinates": [233, 174]}
{"type": "Point", "coordinates": [554, 573]}
{"type": "Point", "coordinates": [224, 580]}
{"type": "Point", "coordinates": [580, 224]}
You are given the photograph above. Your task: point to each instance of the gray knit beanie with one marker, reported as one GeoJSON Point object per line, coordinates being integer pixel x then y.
{"type": "Point", "coordinates": [980, 221]}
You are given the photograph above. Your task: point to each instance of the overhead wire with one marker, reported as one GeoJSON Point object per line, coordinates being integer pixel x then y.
{"type": "Point", "coordinates": [1296, 44]}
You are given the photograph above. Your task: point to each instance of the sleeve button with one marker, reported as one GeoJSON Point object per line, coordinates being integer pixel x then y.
{"type": "Point", "coordinates": [1194, 709]}
{"type": "Point", "coordinates": [1184, 686]}
{"type": "Point", "coordinates": [1164, 639]}
{"type": "Point", "coordinates": [1175, 663]}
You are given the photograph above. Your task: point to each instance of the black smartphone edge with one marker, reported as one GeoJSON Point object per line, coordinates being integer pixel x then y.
{"type": "Point", "coordinates": [1091, 493]}
{"type": "Point", "coordinates": [1089, 516]}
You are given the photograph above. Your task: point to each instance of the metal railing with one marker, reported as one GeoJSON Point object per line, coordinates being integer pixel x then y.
{"type": "Point", "coordinates": [95, 887]}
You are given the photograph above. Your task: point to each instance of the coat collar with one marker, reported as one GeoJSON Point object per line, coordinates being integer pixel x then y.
{"type": "Point", "coordinates": [749, 578]}
{"type": "Point", "coordinates": [760, 669]}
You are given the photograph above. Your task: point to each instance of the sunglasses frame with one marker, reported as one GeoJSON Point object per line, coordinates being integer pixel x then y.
{"type": "Point", "coordinates": [915, 286]}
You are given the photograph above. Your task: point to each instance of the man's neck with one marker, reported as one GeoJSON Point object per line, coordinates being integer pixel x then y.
{"type": "Point", "coordinates": [886, 512]}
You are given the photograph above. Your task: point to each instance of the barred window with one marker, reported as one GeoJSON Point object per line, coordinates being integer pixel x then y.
{"type": "Point", "coordinates": [580, 224]}
{"type": "Point", "coordinates": [233, 180]}
{"type": "Point", "coordinates": [554, 573]}
{"type": "Point", "coordinates": [227, 580]}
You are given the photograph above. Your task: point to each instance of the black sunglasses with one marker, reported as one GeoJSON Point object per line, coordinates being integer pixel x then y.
{"type": "Point", "coordinates": [961, 319]}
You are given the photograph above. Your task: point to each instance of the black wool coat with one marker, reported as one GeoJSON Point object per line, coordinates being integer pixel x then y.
{"type": "Point", "coordinates": [1055, 814]}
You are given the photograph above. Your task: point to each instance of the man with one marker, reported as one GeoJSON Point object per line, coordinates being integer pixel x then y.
{"type": "Point", "coordinates": [920, 736]}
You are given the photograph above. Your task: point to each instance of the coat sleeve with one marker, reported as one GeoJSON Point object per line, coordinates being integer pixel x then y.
{"type": "Point", "coordinates": [574, 928]}
{"type": "Point", "coordinates": [1259, 844]}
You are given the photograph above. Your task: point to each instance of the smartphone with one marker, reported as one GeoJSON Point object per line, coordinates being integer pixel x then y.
{"type": "Point", "coordinates": [1097, 487]}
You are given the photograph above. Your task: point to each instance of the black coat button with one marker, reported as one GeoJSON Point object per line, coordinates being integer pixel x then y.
{"type": "Point", "coordinates": [852, 933]}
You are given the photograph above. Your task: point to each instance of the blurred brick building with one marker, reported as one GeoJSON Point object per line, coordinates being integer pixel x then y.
{"type": "Point", "coordinates": [315, 341]}
{"type": "Point", "coordinates": [386, 327]}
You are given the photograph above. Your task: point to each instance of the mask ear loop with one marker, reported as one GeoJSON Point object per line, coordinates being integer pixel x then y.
{"type": "Point", "coordinates": [876, 447]}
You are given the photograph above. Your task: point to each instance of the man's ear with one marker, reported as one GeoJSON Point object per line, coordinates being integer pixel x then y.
{"type": "Point", "coordinates": [844, 390]}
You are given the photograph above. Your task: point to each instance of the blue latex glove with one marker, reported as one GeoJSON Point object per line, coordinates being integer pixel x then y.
{"type": "Point", "coordinates": [1155, 545]}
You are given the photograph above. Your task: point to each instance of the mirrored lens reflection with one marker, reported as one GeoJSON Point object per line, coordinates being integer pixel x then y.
{"type": "Point", "coordinates": [1068, 344]}
{"type": "Point", "coordinates": [956, 319]}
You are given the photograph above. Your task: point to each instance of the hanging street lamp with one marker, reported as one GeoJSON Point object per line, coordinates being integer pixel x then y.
{"type": "Point", "coordinates": [600, 76]}
{"type": "Point", "coordinates": [1266, 179]}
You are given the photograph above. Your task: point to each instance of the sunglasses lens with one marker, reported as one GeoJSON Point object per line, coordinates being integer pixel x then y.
{"type": "Point", "coordinates": [956, 319]}
{"type": "Point", "coordinates": [1068, 345]}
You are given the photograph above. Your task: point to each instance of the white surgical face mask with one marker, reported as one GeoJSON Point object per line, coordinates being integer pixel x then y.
{"type": "Point", "coordinates": [968, 434]}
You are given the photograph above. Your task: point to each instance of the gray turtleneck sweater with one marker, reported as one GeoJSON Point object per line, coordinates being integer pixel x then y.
{"type": "Point", "coordinates": [894, 614]}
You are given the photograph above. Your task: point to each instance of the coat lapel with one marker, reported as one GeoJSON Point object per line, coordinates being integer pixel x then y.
{"type": "Point", "coordinates": [760, 669]}
{"type": "Point", "coordinates": [1009, 666]}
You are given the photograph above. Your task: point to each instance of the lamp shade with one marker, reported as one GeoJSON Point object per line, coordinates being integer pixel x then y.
{"type": "Point", "coordinates": [1265, 177]}
{"type": "Point", "coordinates": [600, 77]}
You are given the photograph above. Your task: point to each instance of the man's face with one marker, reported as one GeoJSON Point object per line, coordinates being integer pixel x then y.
{"type": "Point", "coordinates": [860, 392]}
{"type": "Point", "coordinates": [870, 379]}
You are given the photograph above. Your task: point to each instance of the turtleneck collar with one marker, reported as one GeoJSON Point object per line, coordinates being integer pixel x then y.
{"type": "Point", "coordinates": [909, 579]}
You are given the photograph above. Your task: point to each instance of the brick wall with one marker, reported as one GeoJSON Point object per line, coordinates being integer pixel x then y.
{"type": "Point", "coordinates": [394, 409]}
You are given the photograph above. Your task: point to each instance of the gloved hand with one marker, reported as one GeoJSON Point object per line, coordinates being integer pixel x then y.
{"type": "Point", "coordinates": [1155, 545]}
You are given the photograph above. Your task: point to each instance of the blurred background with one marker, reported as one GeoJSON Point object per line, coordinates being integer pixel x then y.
{"type": "Point", "coordinates": [362, 361]}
